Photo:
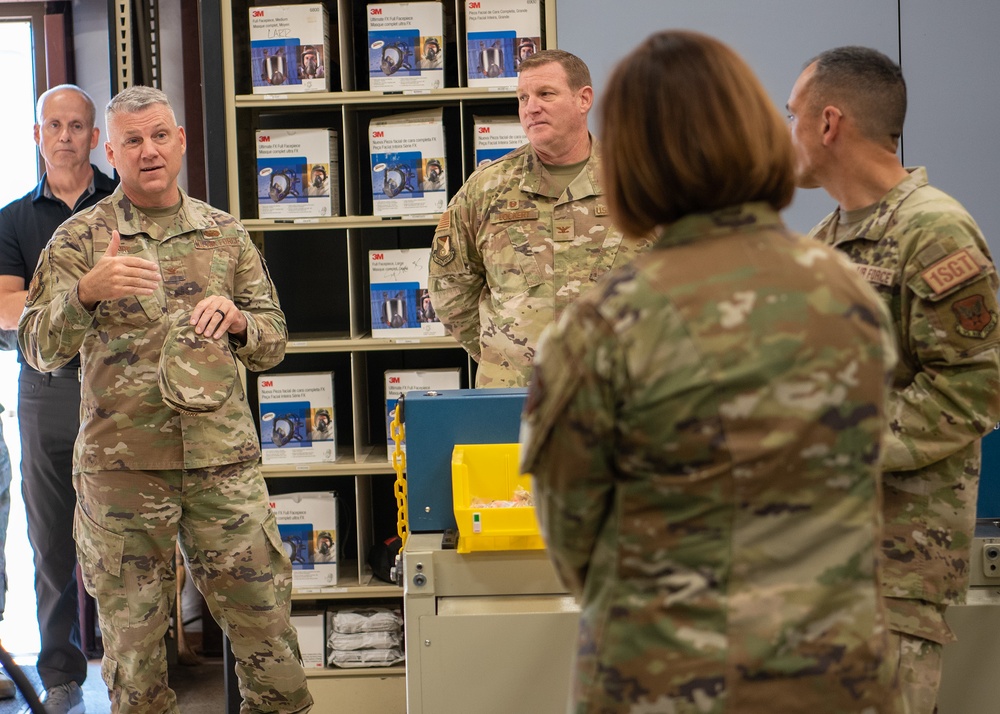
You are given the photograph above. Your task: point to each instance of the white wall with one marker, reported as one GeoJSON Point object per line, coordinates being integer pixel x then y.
{"type": "Point", "coordinates": [948, 56]}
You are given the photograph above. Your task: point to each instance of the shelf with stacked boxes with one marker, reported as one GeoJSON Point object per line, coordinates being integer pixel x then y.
{"type": "Point", "coordinates": [289, 151]}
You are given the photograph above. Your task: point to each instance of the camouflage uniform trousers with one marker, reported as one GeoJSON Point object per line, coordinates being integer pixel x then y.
{"type": "Point", "coordinates": [920, 664]}
{"type": "Point", "coordinates": [126, 526]}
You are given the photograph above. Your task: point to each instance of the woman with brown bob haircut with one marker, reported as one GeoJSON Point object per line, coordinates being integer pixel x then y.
{"type": "Point", "coordinates": [687, 128]}
{"type": "Point", "coordinates": [703, 426]}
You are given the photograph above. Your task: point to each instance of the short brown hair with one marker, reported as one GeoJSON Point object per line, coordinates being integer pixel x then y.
{"type": "Point", "coordinates": [688, 128]}
{"type": "Point", "coordinates": [868, 84]}
{"type": "Point", "coordinates": [577, 72]}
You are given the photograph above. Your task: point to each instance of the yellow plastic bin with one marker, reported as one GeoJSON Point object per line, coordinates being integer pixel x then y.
{"type": "Point", "coordinates": [487, 473]}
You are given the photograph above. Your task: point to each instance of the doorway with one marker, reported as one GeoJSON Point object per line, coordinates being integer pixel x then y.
{"type": "Point", "coordinates": [18, 30]}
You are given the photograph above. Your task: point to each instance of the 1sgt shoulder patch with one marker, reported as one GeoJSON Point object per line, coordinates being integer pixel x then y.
{"type": "Point", "coordinates": [953, 270]}
{"type": "Point", "coordinates": [975, 319]}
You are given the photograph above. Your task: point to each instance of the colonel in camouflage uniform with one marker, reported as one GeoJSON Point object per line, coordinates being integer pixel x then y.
{"type": "Point", "coordinates": [160, 293]}
{"type": "Point", "coordinates": [529, 233]}
{"type": "Point", "coordinates": [704, 426]}
{"type": "Point", "coordinates": [929, 262]}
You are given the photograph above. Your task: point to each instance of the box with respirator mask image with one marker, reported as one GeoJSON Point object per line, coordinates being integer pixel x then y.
{"type": "Point", "coordinates": [297, 418]}
{"type": "Point", "coordinates": [307, 523]}
{"type": "Point", "coordinates": [500, 34]}
{"type": "Point", "coordinates": [289, 49]}
{"type": "Point", "coordinates": [408, 164]}
{"type": "Point", "coordinates": [400, 303]}
{"type": "Point", "coordinates": [495, 137]}
{"type": "Point", "coordinates": [405, 46]}
{"type": "Point", "coordinates": [298, 173]}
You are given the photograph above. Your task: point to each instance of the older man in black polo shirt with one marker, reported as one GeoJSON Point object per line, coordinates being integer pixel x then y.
{"type": "Point", "coordinates": [49, 404]}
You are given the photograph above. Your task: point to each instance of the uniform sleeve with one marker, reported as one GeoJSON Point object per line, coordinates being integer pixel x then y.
{"type": "Point", "coordinates": [456, 275]}
{"type": "Point", "coordinates": [54, 322]}
{"type": "Point", "coordinates": [952, 336]}
{"type": "Point", "coordinates": [254, 293]}
{"type": "Point", "coordinates": [567, 439]}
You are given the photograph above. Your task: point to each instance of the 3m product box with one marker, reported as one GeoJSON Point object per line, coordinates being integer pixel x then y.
{"type": "Point", "coordinates": [496, 137]}
{"type": "Point", "coordinates": [408, 164]}
{"type": "Point", "coordinates": [401, 305]}
{"type": "Point", "coordinates": [401, 381]}
{"type": "Point", "coordinates": [500, 34]}
{"type": "Point", "coordinates": [298, 173]}
{"type": "Point", "coordinates": [307, 523]}
{"type": "Point", "coordinates": [310, 624]}
{"type": "Point", "coordinates": [289, 48]}
{"type": "Point", "coordinates": [297, 418]}
{"type": "Point", "coordinates": [405, 46]}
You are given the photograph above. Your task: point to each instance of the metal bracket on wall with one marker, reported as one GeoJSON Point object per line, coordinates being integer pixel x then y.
{"type": "Point", "coordinates": [136, 43]}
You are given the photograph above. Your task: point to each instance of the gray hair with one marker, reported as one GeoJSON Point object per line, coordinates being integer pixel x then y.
{"type": "Point", "coordinates": [135, 99]}
{"type": "Point", "coordinates": [91, 109]}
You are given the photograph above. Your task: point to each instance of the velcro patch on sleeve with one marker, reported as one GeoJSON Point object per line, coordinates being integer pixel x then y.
{"type": "Point", "coordinates": [953, 270]}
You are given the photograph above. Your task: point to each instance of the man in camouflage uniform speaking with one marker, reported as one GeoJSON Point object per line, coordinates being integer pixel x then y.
{"type": "Point", "coordinates": [160, 293]}
{"type": "Point", "coordinates": [530, 232]}
{"type": "Point", "coordinates": [928, 260]}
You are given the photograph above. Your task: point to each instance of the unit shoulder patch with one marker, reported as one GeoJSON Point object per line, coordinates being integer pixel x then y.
{"type": "Point", "coordinates": [975, 319]}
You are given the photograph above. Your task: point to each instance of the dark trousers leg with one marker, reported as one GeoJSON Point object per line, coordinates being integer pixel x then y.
{"type": "Point", "coordinates": [49, 418]}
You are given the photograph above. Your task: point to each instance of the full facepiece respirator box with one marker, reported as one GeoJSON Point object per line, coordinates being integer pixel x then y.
{"type": "Point", "coordinates": [297, 418]}
{"type": "Point", "coordinates": [408, 164]}
{"type": "Point", "coordinates": [405, 46]}
{"type": "Point", "coordinates": [496, 137]}
{"type": "Point", "coordinates": [298, 173]}
{"type": "Point", "coordinates": [500, 34]}
{"type": "Point", "coordinates": [289, 48]}
{"type": "Point", "coordinates": [401, 304]}
{"type": "Point", "coordinates": [307, 523]}
{"type": "Point", "coordinates": [400, 381]}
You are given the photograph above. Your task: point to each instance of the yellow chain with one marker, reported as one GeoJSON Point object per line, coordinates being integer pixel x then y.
{"type": "Point", "coordinates": [398, 432]}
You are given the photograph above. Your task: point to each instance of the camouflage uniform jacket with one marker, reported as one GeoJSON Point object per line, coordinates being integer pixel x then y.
{"type": "Point", "coordinates": [703, 429]}
{"type": "Point", "coordinates": [510, 254]}
{"type": "Point", "coordinates": [928, 260]}
{"type": "Point", "coordinates": [124, 422]}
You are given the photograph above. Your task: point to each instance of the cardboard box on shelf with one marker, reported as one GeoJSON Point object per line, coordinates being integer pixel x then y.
{"type": "Point", "coordinates": [405, 46]}
{"type": "Point", "coordinates": [495, 137]}
{"type": "Point", "coordinates": [408, 164]}
{"type": "Point", "coordinates": [289, 49]}
{"type": "Point", "coordinates": [307, 523]}
{"type": "Point", "coordinates": [400, 303]}
{"type": "Point", "coordinates": [500, 34]}
{"type": "Point", "coordinates": [298, 173]}
{"type": "Point", "coordinates": [297, 418]}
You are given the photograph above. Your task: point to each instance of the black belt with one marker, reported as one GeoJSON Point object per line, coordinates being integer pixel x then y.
{"type": "Point", "coordinates": [67, 373]}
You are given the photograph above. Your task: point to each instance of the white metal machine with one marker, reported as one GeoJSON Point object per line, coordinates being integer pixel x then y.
{"type": "Point", "coordinates": [489, 632]}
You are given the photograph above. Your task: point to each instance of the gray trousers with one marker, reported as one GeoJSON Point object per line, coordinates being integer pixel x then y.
{"type": "Point", "coordinates": [49, 419]}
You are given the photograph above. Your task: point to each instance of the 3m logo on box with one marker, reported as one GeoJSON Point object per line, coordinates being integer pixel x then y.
{"type": "Point", "coordinates": [267, 383]}
{"type": "Point", "coordinates": [258, 13]}
{"type": "Point", "coordinates": [475, 5]}
{"type": "Point", "coordinates": [378, 134]}
{"type": "Point", "coordinates": [376, 11]}
{"type": "Point", "coordinates": [264, 138]}
{"type": "Point", "coordinates": [378, 256]}
{"type": "Point", "coordinates": [395, 380]}
{"type": "Point", "coordinates": [484, 130]}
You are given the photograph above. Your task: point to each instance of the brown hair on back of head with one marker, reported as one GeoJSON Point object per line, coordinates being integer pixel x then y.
{"type": "Point", "coordinates": [688, 128]}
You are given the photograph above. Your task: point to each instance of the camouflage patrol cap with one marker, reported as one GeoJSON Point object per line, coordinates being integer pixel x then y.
{"type": "Point", "coordinates": [197, 373]}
